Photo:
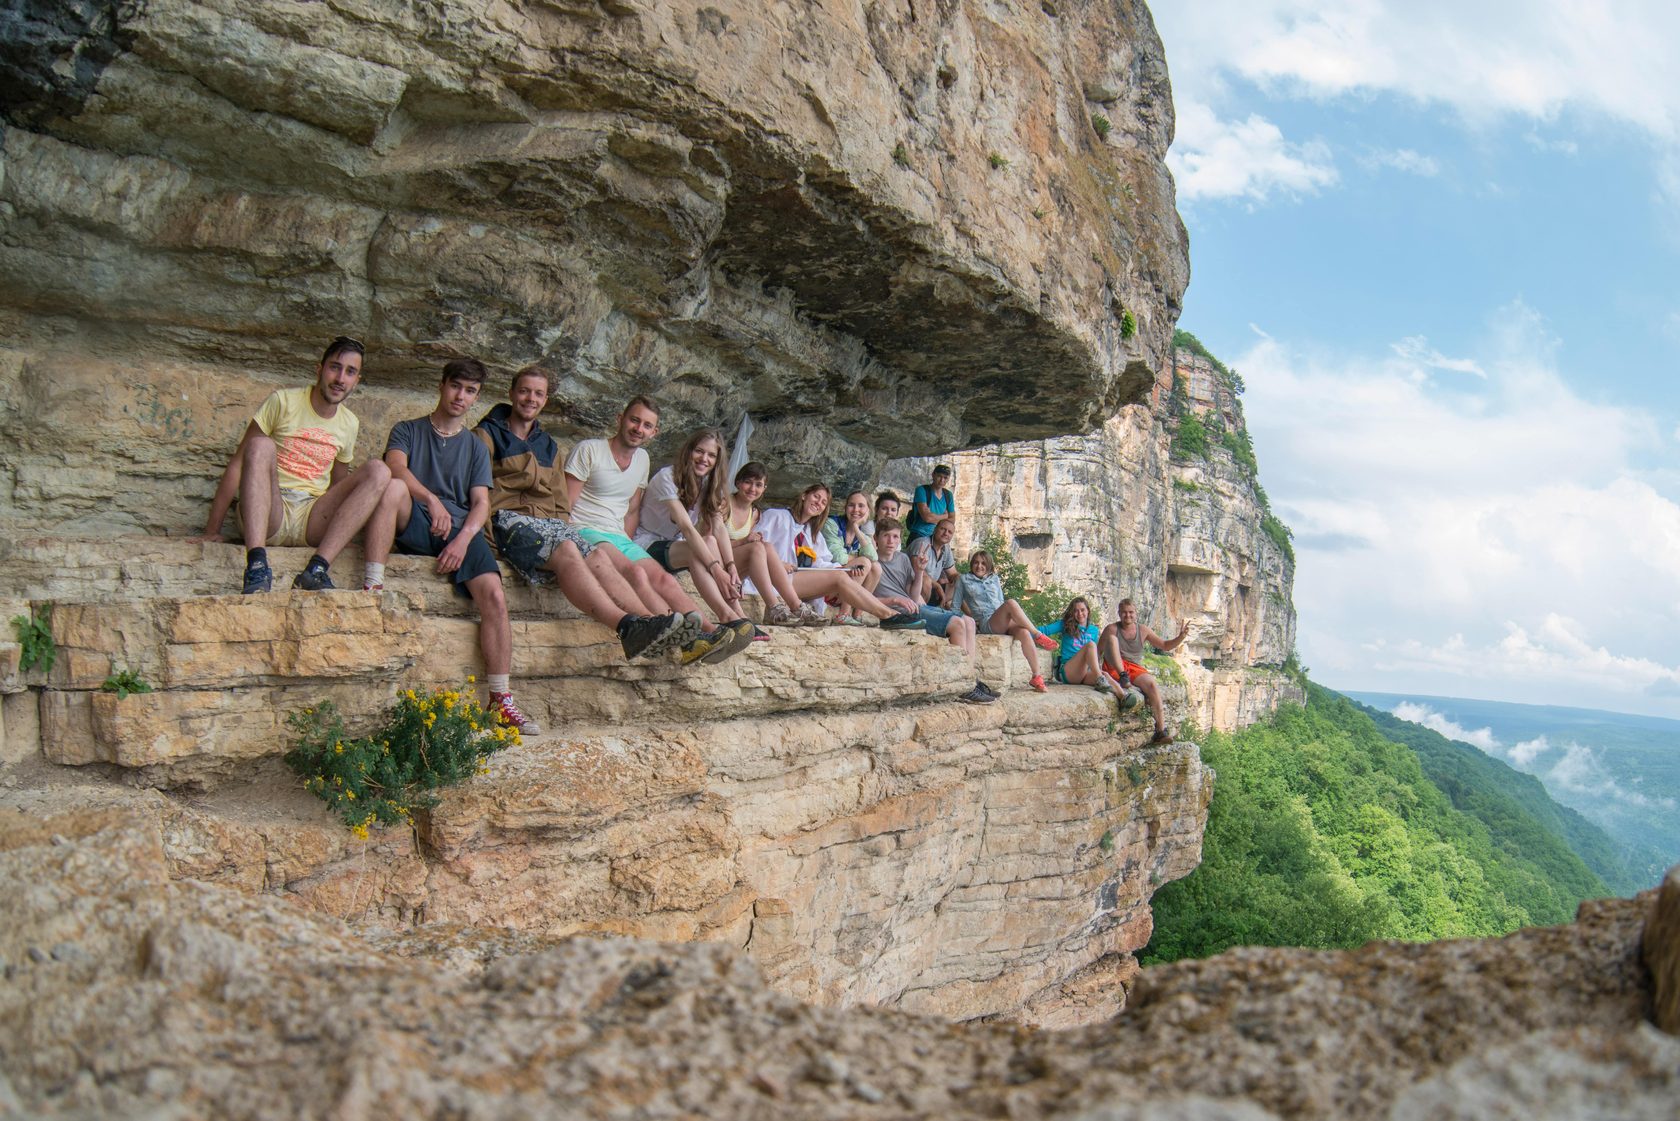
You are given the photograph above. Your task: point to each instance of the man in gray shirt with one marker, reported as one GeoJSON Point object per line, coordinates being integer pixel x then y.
{"type": "Point", "coordinates": [901, 587]}
{"type": "Point", "coordinates": [447, 473]}
{"type": "Point", "coordinates": [937, 564]}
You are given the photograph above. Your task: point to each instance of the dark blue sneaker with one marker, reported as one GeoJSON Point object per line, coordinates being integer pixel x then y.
{"type": "Point", "coordinates": [258, 577]}
{"type": "Point", "coordinates": [313, 579]}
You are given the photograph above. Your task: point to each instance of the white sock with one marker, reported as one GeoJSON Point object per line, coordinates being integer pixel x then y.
{"type": "Point", "coordinates": [498, 683]}
{"type": "Point", "coordinates": [373, 573]}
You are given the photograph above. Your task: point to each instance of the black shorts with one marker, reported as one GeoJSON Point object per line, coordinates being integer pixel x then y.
{"type": "Point", "coordinates": [416, 539]}
{"type": "Point", "coordinates": [661, 552]}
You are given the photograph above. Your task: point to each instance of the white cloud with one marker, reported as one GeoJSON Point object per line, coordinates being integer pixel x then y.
{"type": "Point", "coordinates": [1533, 58]}
{"type": "Point", "coordinates": [1525, 753]}
{"type": "Point", "coordinates": [1243, 159]}
{"type": "Point", "coordinates": [1582, 771]}
{"type": "Point", "coordinates": [1486, 61]}
{"type": "Point", "coordinates": [1482, 738]}
{"type": "Point", "coordinates": [1401, 159]}
{"type": "Point", "coordinates": [1416, 348]}
{"type": "Point", "coordinates": [1488, 536]}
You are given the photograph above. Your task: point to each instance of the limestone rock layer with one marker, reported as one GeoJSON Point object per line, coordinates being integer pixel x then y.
{"type": "Point", "coordinates": [883, 227]}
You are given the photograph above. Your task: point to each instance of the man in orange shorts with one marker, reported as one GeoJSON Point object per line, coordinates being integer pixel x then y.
{"type": "Point", "coordinates": [1122, 644]}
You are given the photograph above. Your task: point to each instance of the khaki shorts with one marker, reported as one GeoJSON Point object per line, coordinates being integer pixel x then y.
{"type": "Point", "coordinates": [294, 523]}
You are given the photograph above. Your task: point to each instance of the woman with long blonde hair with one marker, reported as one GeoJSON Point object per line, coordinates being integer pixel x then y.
{"type": "Point", "coordinates": [684, 520]}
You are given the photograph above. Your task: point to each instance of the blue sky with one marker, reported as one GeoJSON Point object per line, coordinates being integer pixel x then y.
{"type": "Point", "coordinates": [1441, 242]}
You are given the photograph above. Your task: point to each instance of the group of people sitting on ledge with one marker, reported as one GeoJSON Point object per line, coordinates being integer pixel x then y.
{"type": "Point", "coordinates": [612, 536]}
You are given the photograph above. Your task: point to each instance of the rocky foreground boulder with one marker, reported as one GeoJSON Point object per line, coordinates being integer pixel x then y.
{"type": "Point", "coordinates": [128, 994]}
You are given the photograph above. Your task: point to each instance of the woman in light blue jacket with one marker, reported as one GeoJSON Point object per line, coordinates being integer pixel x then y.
{"type": "Point", "coordinates": [979, 595]}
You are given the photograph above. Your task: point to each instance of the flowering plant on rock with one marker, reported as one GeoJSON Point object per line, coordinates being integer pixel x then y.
{"type": "Point", "coordinates": [427, 741]}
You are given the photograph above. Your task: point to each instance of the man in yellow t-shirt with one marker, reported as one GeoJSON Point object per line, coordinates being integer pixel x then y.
{"type": "Point", "coordinates": [292, 476]}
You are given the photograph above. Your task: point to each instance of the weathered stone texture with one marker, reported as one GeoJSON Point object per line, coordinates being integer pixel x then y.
{"type": "Point", "coordinates": [1661, 951]}
{"type": "Point", "coordinates": [113, 973]}
{"type": "Point", "coordinates": [787, 208]}
{"type": "Point", "coordinates": [1111, 515]}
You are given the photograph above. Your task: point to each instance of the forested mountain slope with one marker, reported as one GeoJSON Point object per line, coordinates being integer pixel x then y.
{"type": "Point", "coordinates": [1325, 832]}
{"type": "Point", "coordinates": [1514, 806]}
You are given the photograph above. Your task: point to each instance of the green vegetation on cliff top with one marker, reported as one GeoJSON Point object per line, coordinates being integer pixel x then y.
{"type": "Point", "coordinates": [1325, 832]}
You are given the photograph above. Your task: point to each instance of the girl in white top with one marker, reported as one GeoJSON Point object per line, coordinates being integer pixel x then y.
{"type": "Point", "coordinates": [684, 523]}
{"type": "Point", "coordinates": [798, 531]}
{"type": "Point", "coordinates": [783, 537]}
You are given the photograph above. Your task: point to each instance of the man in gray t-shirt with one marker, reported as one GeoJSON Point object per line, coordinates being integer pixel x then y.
{"type": "Point", "coordinates": [447, 473]}
{"type": "Point", "coordinates": [933, 556]}
{"type": "Point", "coordinates": [900, 587]}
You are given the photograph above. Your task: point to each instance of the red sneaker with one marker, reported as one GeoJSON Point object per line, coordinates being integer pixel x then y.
{"type": "Point", "coordinates": [1038, 683]}
{"type": "Point", "coordinates": [503, 709]}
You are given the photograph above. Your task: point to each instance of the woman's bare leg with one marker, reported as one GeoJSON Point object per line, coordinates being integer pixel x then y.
{"type": "Point", "coordinates": [767, 573]}
{"type": "Point", "coordinates": [704, 581]}
{"type": "Point", "coordinates": [811, 582]}
{"type": "Point", "coordinates": [1000, 623]}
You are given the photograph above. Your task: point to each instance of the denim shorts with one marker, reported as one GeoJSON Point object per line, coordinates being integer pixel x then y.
{"type": "Point", "coordinates": [938, 619]}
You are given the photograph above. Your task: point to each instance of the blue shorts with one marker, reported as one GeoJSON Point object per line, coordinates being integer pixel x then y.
{"type": "Point", "coordinates": [623, 544]}
{"type": "Point", "coordinates": [417, 539]}
{"type": "Point", "coordinates": [938, 619]}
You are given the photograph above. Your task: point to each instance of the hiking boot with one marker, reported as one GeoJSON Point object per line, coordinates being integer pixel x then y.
{"type": "Point", "coordinates": [1162, 736]}
{"type": "Point", "coordinates": [313, 579]}
{"type": "Point", "coordinates": [903, 621]}
{"type": "Point", "coordinates": [986, 689]}
{"type": "Point", "coordinates": [645, 636]}
{"type": "Point", "coordinates": [780, 616]}
{"type": "Point", "coordinates": [1038, 683]}
{"type": "Point", "coordinates": [745, 635]}
{"type": "Point", "coordinates": [977, 696]}
{"type": "Point", "coordinates": [810, 617]}
{"type": "Point", "coordinates": [258, 577]}
{"type": "Point", "coordinates": [504, 710]}
{"type": "Point", "coordinates": [1130, 699]}
{"type": "Point", "coordinates": [714, 646]}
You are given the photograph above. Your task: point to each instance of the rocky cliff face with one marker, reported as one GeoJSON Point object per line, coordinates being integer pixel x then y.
{"type": "Point", "coordinates": [878, 227]}
{"type": "Point", "coordinates": [114, 974]}
{"type": "Point", "coordinates": [1116, 514]}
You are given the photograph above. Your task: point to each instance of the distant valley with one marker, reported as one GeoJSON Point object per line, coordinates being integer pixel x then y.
{"type": "Point", "coordinates": [1620, 771]}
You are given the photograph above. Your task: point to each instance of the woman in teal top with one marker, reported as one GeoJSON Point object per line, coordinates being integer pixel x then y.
{"type": "Point", "coordinates": [1079, 665]}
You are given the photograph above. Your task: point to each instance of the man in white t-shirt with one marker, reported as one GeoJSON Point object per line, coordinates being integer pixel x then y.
{"type": "Point", "coordinates": [605, 483]}
{"type": "Point", "coordinates": [291, 474]}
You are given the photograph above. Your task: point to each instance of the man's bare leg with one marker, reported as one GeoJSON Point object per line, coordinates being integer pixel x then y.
{"type": "Point", "coordinates": [661, 590]}
{"type": "Point", "coordinates": [340, 514]}
{"type": "Point", "coordinates": [260, 506]}
{"type": "Point", "coordinates": [579, 584]}
{"type": "Point", "coordinates": [495, 633]}
{"type": "Point", "coordinates": [606, 565]}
